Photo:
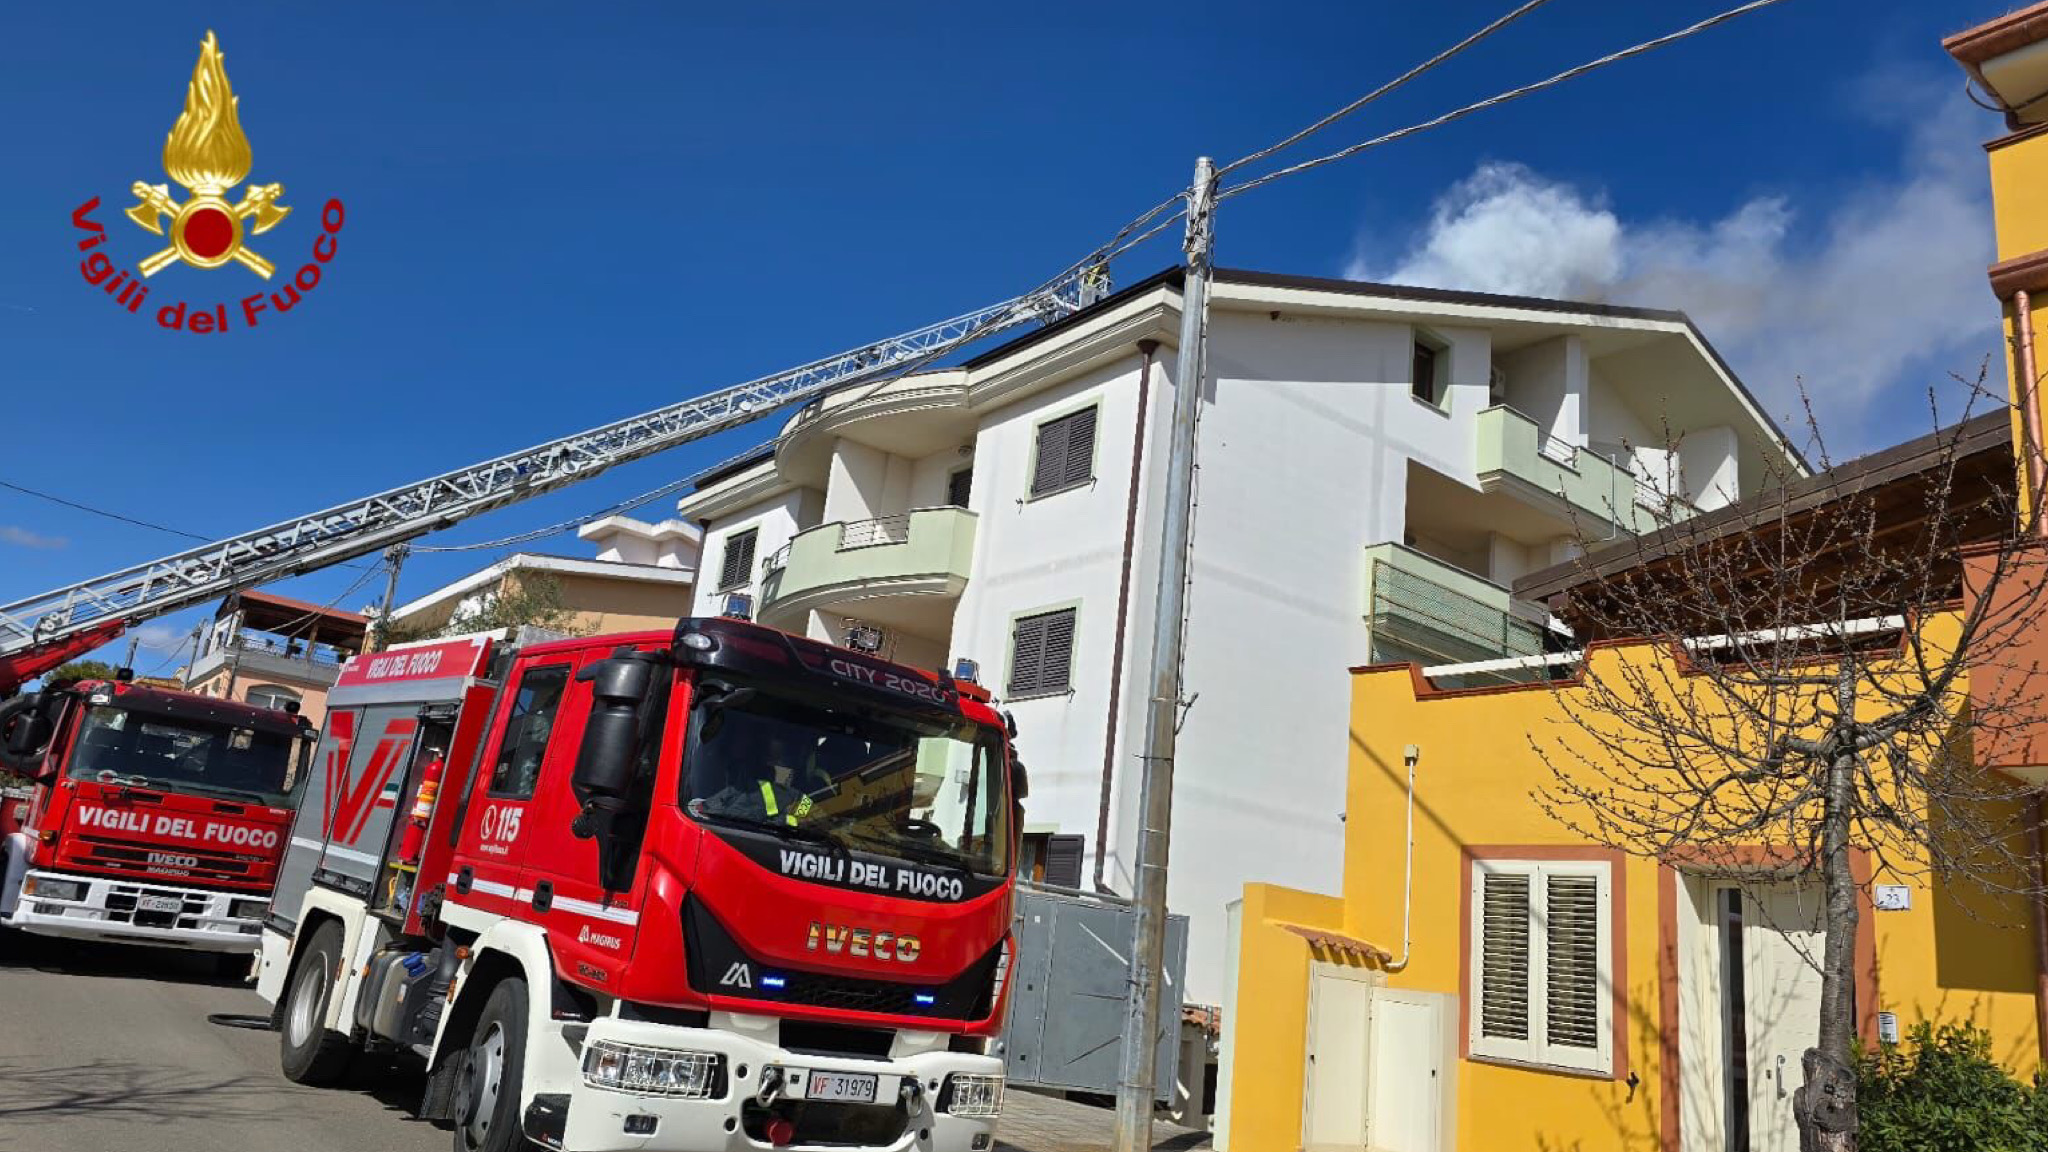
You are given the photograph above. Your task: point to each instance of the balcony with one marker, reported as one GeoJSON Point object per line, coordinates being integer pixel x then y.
{"type": "Point", "coordinates": [255, 655]}
{"type": "Point", "coordinates": [1420, 609]}
{"type": "Point", "coordinates": [1517, 456]}
{"type": "Point", "coordinates": [904, 571]}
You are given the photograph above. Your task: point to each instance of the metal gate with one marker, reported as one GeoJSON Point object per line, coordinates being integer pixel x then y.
{"type": "Point", "coordinates": [1071, 992]}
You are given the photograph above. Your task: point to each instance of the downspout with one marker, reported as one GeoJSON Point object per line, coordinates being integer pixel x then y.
{"type": "Point", "coordinates": [2036, 469]}
{"type": "Point", "coordinates": [1409, 755]}
{"type": "Point", "coordinates": [1123, 606]}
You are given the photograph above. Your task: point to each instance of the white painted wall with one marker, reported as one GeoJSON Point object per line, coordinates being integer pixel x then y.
{"type": "Point", "coordinates": [777, 518]}
{"type": "Point", "coordinates": [930, 477]}
{"type": "Point", "coordinates": [1707, 466]}
{"type": "Point", "coordinates": [1547, 382]}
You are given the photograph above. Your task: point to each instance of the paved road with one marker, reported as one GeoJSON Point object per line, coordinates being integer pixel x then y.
{"type": "Point", "coordinates": [105, 1048]}
{"type": "Point", "coordinates": [108, 1049]}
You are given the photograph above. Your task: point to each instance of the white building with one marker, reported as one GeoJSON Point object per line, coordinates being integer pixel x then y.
{"type": "Point", "coordinates": [1376, 465]}
{"type": "Point", "coordinates": [642, 578]}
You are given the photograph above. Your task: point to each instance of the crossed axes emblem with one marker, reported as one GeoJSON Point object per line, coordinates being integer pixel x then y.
{"type": "Point", "coordinates": [258, 201]}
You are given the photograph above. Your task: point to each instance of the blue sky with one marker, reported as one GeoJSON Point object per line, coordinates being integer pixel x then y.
{"type": "Point", "coordinates": [559, 216]}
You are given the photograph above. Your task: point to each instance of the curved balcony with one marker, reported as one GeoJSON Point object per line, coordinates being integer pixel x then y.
{"type": "Point", "coordinates": [905, 570]}
{"type": "Point", "coordinates": [1517, 456]}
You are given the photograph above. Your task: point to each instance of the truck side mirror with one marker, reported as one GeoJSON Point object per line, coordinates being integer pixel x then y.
{"type": "Point", "coordinates": [603, 776]}
{"type": "Point", "coordinates": [25, 731]}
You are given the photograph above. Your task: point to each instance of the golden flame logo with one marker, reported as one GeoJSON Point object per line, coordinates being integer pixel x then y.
{"type": "Point", "coordinates": [208, 154]}
{"type": "Point", "coordinates": [206, 150]}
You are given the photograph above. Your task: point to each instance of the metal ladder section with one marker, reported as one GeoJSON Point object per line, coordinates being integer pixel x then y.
{"type": "Point", "coordinates": [361, 526]}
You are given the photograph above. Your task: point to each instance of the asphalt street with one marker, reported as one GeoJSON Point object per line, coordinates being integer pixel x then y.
{"type": "Point", "coordinates": [105, 1048]}
{"type": "Point", "coordinates": [109, 1049]}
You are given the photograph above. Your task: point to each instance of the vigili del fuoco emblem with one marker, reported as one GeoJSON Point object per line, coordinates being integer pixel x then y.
{"type": "Point", "coordinates": [209, 155]}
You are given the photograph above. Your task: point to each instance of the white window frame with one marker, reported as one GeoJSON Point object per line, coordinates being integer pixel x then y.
{"type": "Point", "coordinates": [1535, 1050]}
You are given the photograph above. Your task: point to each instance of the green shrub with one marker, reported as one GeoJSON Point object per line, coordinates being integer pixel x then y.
{"type": "Point", "coordinates": [1941, 1091]}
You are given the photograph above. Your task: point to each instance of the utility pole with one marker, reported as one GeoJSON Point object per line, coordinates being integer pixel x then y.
{"type": "Point", "coordinates": [380, 632]}
{"type": "Point", "coordinates": [128, 661]}
{"type": "Point", "coordinates": [1135, 1090]}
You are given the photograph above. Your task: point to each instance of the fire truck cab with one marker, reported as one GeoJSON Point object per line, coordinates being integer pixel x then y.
{"type": "Point", "coordinates": [718, 888]}
{"type": "Point", "coordinates": [157, 816]}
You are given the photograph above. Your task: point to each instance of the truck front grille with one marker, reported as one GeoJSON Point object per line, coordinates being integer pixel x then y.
{"type": "Point", "coordinates": [201, 864]}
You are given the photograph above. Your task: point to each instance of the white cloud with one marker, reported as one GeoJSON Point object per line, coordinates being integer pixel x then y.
{"type": "Point", "coordinates": [23, 538]}
{"type": "Point", "coordinates": [1870, 298]}
{"type": "Point", "coordinates": [160, 637]}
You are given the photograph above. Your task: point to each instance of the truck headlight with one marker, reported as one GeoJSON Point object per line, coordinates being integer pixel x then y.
{"type": "Point", "coordinates": [249, 909]}
{"type": "Point", "coordinates": [50, 889]}
{"type": "Point", "coordinates": [654, 1071]}
{"type": "Point", "coordinates": [971, 1096]}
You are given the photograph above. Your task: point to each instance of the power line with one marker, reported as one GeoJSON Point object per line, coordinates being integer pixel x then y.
{"type": "Point", "coordinates": [87, 508]}
{"type": "Point", "coordinates": [102, 512]}
{"type": "Point", "coordinates": [1383, 89]}
{"type": "Point", "coordinates": [1502, 98]}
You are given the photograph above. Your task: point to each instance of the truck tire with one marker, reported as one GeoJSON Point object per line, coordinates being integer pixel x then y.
{"type": "Point", "coordinates": [310, 1052]}
{"type": "Point", "coordinates": [494, 1068]}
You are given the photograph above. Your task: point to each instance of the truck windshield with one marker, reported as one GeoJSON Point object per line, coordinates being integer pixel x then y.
{"type": "Point", "coordinates": [146, 750]}
{"type": "Point", "coordinates": [880, 782]}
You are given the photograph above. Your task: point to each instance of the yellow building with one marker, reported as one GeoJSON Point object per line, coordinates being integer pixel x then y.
{"type": "Point", "coordinates": [1514, 985]}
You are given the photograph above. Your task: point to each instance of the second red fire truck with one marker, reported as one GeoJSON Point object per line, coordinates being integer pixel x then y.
{"type": "Point", "coordinates": [720, 888]}
{"type": "Point", "coordinates": [157, 816]}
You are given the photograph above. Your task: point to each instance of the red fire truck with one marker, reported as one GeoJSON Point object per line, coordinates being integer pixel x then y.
{"type": "Point", "coordinates": [720, 888]}
{"type": "Point", "coordinates": [158, 817]}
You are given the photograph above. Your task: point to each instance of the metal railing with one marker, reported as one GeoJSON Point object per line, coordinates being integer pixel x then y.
{"type": "Point", "coordinates": [777, 560]}
{"type": "Point", "coordinates": [1557, 447]}
{"type": "Point", "coordinates": [284, 649]}
{"type": "Point", "coordinates": [869, 533]}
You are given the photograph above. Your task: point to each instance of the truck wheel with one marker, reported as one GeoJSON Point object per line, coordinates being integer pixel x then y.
{"type": "Point", "coordinates": [487, 1098]}
{"type": "Point", "coordinates": [312, 1054]}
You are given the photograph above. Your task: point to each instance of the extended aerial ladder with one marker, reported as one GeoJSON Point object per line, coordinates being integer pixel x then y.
{"type": "Point", "coordinates": [40, 632]}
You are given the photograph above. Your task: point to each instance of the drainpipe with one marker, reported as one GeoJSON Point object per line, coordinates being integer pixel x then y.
{"type": "Point", "coordinates": [1409, 755]}
{"type": "Point", "coordinates": [1123, 603]}
{"type": "Point", "coordinates": [2036, 468]}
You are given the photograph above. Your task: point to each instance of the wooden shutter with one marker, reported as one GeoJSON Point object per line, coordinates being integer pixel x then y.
{"type": "Point", "coordinates": [1042, 653]}
{"type": "Point", "coordinates": [1571, 932]}
{"type": "Point", "coordinates": [1066, 452]}
{"type": "Point", "coordinates": [738, 561]}
{"type": "Point", "coordinates": [1063, 857]}
{"type": "Point", "coordinates": [1503, 961]}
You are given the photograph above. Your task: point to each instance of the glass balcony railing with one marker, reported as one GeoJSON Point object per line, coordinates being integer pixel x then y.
{"type": "Point", "coordinates": [1422, 610]}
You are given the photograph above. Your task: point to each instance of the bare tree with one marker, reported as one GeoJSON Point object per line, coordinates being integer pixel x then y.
{"type": "Point", "coordinates": [1811, 692]}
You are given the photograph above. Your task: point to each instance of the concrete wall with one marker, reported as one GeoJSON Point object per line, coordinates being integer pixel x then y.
{"type": "Point", "coordinates": [1547, 383]}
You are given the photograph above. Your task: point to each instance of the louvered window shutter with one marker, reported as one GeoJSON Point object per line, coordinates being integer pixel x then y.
{"type": "Point", "coordinates": [1572, 938]}
{"type": "Point", "coordinates": [738, 561]}
{"type": "Point", "coordinates": [1063, 856]}
{"type": "Point", "coordinates": [1066, 453]}
{"type": "Point", "coordinates": [1042, 654]}
{"type": "Point", "coordinates": [1542, 954]}
{"type": "Point", "coordinates": [1503, 973]}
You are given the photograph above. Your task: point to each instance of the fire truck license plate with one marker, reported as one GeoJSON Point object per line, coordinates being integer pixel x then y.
{"type": "Point", "coordinates": [159, 903]}
{"type": "Point", "coordinates": [842, 1086]}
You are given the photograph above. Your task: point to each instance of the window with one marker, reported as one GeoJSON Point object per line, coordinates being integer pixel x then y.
{"type": "Point", "coordinates": [1428, 364]}
{"type": "Point", "coordinates": [958, 486]}
{"type": "Point", "coordinates": [1542, 963]}
{"type": "Point", "coordinates": [1066, 453]}
{"type": "Point", "coordinates": [526, 734]}
{"type": "Point", "coordinates": [1042, 654]}
{"type": "Point", "coordinates": [737, 566]}
{"type": "Point", "coordinates": [270, 696]}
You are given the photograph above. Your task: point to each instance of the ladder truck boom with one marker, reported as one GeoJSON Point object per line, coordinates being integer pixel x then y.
{"type": "Point", "coordinates": [358, 527]}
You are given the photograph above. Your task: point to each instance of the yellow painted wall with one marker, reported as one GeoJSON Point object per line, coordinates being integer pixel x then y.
{"type": "Point", "coordinates": [1271, 1015]}
{"type": "Point", "coordinates": [1474, 778]}
{"type": "Point", "coordinates": [2019, 196]}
